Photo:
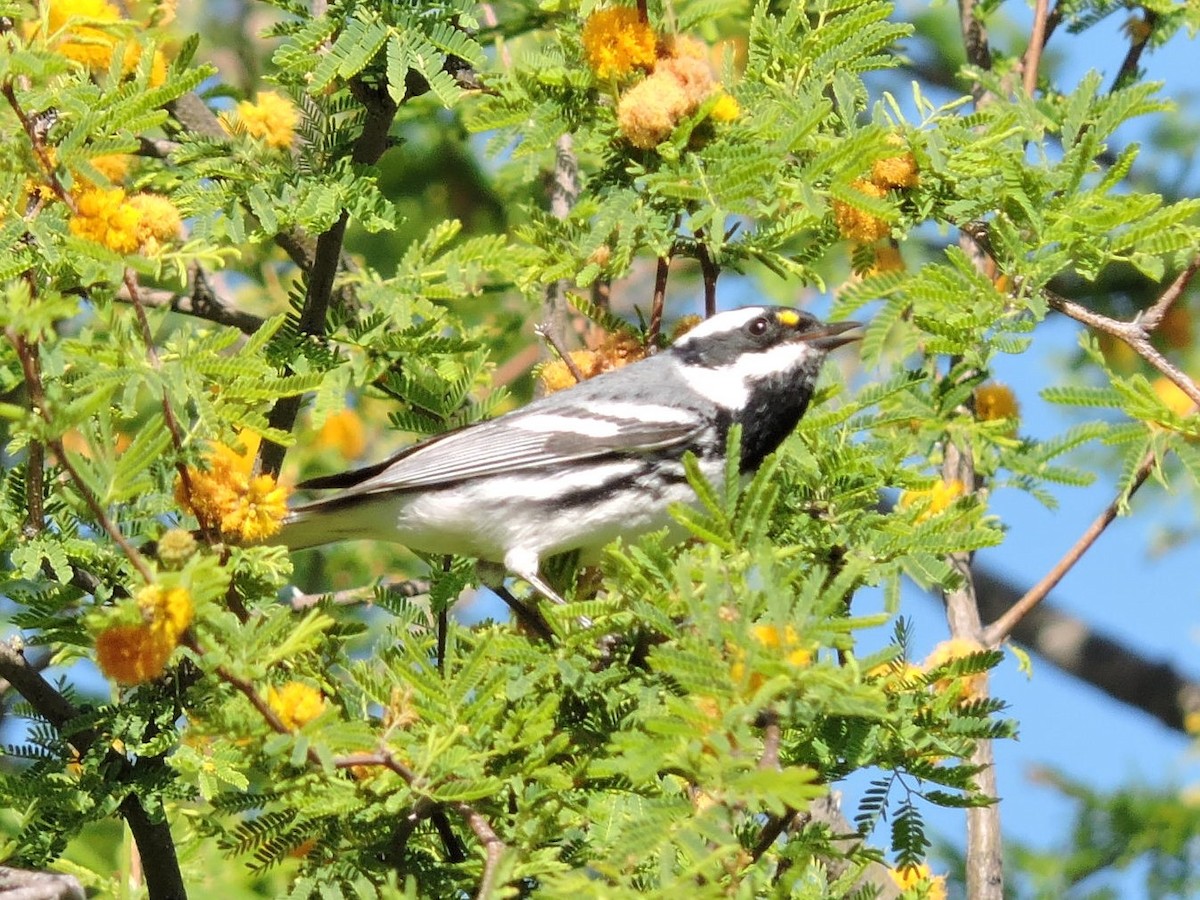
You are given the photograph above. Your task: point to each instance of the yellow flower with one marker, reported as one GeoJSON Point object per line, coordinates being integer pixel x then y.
{"type": "Point", "coordinates": [271, 117]}
{"type": "Point", "coordinates": [617, 350]}
{"type": "Point", "coordinates": [1172, 396]}
{"type": "Point", "coordinates": [88, 44]}
{"type": "Point", "coordinates": [694, 77]}
{"type": "Point", "coordinates": [132, 654]}
{"type": "Point", "coordinates": [896, 171]}
{"type": "Point", "coordinates": [258, 511]}
{"type": "Point", "coordinates": [856, 224]}
{"type": "Point", "coordinates": [296, 704]}
{"type": "Point", "coordinates": [939, 498]}
{"type": "Point", "coordinates": [113, 166]}
{"type": "Point", "coordinates": [135, 653]}
{"type": "Point", "coordinates": [920, 876]}
{"type": "Point", "coordinates": [224, 497]}
{"type": "Point", "coordinates": [772, 637]}
{"type": "Point", "coordinates": [726, 109]}
{"type": "Point", "coordinates": [169, 610]}
{"type": "Point", "coordinates": [649, 111]}
{"type": "Point", "coordinates": [1176, 327]}
{"type": "Point", "coordinates": [995, 401]}
{"type": "Point", "coordinates": [176, 547]}
{"type": "Point", "coordinates": [343, 431]}
{"type": "Point", "coordinates": [887, 259]}
{"type": "Point", "coordinates": [972, 687]}
{"type": "Point", "coordinates": [158, 222]}
{"type": "Point", "coordinates": [896, 676]}
{"type": "Point", "coordinates": [103, 215]}
{"type": "Point", "coordinates": [616, 41]}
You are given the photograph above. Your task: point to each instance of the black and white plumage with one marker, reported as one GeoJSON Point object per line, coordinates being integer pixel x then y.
{"type": "Point", "coordinates": [597, 461]}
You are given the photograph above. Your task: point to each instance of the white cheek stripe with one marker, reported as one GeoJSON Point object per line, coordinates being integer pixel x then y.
{"type": "Point", "coordinates": [729, 386]}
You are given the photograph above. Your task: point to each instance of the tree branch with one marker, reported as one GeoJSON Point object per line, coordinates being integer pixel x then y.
{"type": "Point", "coordinates": [370, 145]}
{"type": "Point", "coordinates": [202, 302]}
{"type": "Point", "coordinates": [1139, 37]}
{"type": "Point", "coordinates": [1002, 627]}
{"type": "Point", "coordinates": [1156, 688]}
{"type": "Point", "coordinates": [1037, 42]}
{"type": "Point", "coordinates": [155, 845]}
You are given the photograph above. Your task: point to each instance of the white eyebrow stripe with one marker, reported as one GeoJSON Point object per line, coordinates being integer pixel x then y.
{"type": "Point", "coordinates": [722, 323]}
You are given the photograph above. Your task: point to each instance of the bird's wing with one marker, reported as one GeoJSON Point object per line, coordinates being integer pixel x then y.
{"type": "Point", "coordinates": [529, 438]}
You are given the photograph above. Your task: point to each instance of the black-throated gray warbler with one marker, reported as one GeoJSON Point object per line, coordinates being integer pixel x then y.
{"type": "Point", "coordinates": [597, 461]}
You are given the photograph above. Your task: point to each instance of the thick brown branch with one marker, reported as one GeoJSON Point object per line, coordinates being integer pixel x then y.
{"type": "Point", "coordinates": [370, 145]}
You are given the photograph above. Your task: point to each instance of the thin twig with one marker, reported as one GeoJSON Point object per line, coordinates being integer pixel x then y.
{"type": "Point", "coordinates": [1151, 318]}
{"type": "Point", "coordinates": [27, 353]}
{"type": "Point", "coordinates": [546, 333]}
{"type": "Point", "coordinates": [661, 271]}
{"type": "Point", "coordinates": [1135, 332]}
{"type": "Point", "coordinates": [181, 469]}
{"type": "Point", "coordinates": [709, 272]}
{"type": "Point", "coordinates": [1132, 333]}
{"type": "Point", "coordinates": [413, 587]}
{"type": "Point", "coordinates": [1139, 38]}
{"type": "Point", "coordinates": [492, 845]}
{"type": "Point", "coordinates": [1037, 41]}
{"type": "Point", "coordinates": [995, 633]}
{"type": "Point", "coordinates": [39, 145]}
{"type": "Point", "coordinates": [201, 302]}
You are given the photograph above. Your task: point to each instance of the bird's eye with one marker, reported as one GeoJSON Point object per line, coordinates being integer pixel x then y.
{"type": "Point", "coordinates": [758, 326]}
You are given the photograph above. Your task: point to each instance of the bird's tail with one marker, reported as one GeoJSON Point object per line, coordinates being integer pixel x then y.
{"type": "Point", "coordinates": [325, 522]}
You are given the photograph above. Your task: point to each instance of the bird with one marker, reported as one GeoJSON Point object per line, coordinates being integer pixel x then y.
{"type": "Point", "coordinates": [600, 460]}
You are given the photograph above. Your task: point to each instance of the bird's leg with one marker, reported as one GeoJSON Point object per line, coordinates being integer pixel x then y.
{"type": "Point", "coordinates": [492, 576]}
{"type": "Point", "coordinates": [525, 565]}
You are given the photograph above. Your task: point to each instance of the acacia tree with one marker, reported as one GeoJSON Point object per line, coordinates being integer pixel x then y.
{"type": "Point", "coordinates": [213, 283]}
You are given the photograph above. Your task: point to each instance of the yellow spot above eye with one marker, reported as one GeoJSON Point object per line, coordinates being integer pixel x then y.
{"type": "Point", "coordinates": [789, 317]}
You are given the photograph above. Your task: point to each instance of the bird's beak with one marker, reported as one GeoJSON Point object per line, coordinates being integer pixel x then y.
{"type": "Point", "coordinates": [832, 335]}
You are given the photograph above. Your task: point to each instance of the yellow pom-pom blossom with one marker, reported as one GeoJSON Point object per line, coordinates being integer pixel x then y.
{"type": "Point", "coordinates": [939, 498]}
{"type": "Point", "coordinates": [887, 259]}
{"type": "Point", "coordinates": [271, 117]}
{"type": "Point", "coordinates": [225, 497]}
{"type": "Point", "coordinates": [649, 111]}
{"type": "Point", "coordinates": [859, 225]}
{"type": "Point", "coordinates": [343, 431]}
{"type": "Point", "coordinates": [158, 223]}
{"type": "Point", "coordinates": [616, 41]}
{"type": "Point", "coordinates": [896, 171]}
{"type": "Point", "coordinates": [726, 109]}
{"type": "Point", "coordinates": [617, 350]}
{"type": "Point", "coordinates": [135, 653]}
{"type": "Point", "coordinates": [910, 877]}
{"type": "Point", "coordinates": [972, 687]}
{"type": "Point", "coordinates": [103, 215]}
{"type": "Point", "coordinates": [89, 44]}
{"type": "Point", "coordinates": [1173, 397]}
{"type": "Point", "coordinates": [296, 704]}
{"type": "Point", "coordinates": [787, 638]}
{"type": "Point", "coordinates": [994, 402]}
